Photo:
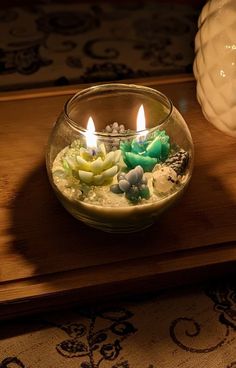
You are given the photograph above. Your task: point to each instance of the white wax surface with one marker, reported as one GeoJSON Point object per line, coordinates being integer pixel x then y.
{"type": "Point", "coordinates": [113, 210]}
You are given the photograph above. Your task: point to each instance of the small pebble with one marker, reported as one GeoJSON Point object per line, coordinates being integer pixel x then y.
{"type": "Point", "coordinates": [108, 129]}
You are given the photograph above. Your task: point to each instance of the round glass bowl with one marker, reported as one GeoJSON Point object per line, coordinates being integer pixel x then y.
{"type": "Point", "coordinates": [118, 156]}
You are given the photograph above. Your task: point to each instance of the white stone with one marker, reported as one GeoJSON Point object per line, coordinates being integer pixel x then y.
{"type": "Point", "coordinates": [164, 179]}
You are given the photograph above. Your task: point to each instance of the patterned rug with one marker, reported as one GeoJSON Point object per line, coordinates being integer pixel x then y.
{"type": "Point", "coordinates": [183, 328]}
{"type": "Point", "coordinates": [50, 43]}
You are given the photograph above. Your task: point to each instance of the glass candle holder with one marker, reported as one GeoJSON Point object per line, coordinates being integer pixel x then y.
{"type": "Point", "coordinates": [118, 156]}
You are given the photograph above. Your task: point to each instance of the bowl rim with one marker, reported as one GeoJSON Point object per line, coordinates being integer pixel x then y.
{"type": "Point", "coordinates": [127, 87]}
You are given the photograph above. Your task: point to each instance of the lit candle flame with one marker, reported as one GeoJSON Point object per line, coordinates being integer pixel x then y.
{"type": "Point", "coordinates": [141, 122]}
{"type": "Point", "coordinates": [91, 139]}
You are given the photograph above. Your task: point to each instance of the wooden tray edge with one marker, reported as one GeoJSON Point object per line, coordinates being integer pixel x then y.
{"type": "Point", "coordinates": [72, 89]}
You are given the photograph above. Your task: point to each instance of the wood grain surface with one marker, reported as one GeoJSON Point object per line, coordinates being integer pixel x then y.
{"type": "Point", "coordinates": [47, 258]}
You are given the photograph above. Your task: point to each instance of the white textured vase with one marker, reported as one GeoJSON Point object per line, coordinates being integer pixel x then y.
{"type": "Point", "coordinates": [215, 64]}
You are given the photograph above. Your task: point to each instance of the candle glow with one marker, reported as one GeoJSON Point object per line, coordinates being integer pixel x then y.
{"type": "Point", "coordinates": [91, 139]}
{"type": "Point", "coordinates": [141, 122]}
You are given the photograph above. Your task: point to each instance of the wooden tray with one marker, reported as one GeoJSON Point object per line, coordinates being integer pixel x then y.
{"type": "Point", "coordinates": [48, 259]}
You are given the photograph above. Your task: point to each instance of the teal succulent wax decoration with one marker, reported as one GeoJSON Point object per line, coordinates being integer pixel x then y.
{"type": "Point", "coordinates": [146, 153]}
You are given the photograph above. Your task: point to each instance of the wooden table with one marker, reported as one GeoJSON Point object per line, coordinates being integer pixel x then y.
{"type": "Point", "coordinates": [47, 258]}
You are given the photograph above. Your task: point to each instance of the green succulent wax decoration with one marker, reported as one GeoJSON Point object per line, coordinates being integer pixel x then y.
{"type": "Point", "coordinates": [146, 153]}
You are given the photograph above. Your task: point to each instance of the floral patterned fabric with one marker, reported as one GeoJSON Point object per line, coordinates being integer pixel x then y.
{"type": "Point", "coordinates": [49, 44]}
{"type": "Point", "coordinates": [182, 328]}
